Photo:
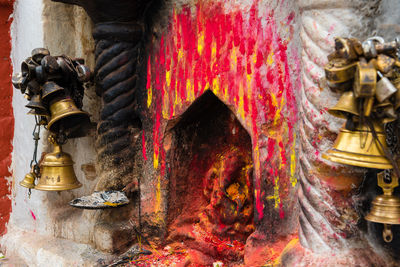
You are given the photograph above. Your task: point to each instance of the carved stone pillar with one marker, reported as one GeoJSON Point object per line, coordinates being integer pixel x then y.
{"type": "Point", "coordinates": [328, 234]}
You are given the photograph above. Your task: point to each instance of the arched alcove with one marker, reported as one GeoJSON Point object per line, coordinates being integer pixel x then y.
{"type": "Point", "coordinates": [210, 174]}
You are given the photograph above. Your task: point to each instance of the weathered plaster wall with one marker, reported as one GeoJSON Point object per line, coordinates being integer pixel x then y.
{"type": "Point", "coordinates": [26, 32]}
{"type": "Point", "coordinates": [67, 31]}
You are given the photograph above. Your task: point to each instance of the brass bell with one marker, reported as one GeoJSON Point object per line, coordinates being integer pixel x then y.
{"type": "Point", "coordinates": [51, 90]}
{"type": "Point", "coordinates": [66, 117]}
{"type": "Point", "coordinates": [29, 179]}
{"type": "Point", "coordinates": [57, 172]}
{"type": "Point", "coordinates": [347, 104]}
{"type": "Point", "coordinates": [359, 148]}
{"type": "Point", "coordinates": [386, 208]}
{"type": "Point", "coordinates": [36, 104]}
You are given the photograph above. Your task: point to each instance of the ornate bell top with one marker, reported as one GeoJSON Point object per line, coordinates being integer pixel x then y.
{"type": "Point", "coordinates": [57, 158]}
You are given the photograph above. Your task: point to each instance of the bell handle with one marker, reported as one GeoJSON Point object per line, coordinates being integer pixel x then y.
{"type": "Point", "coordinates": [387, 233]}
{"type": "Point", "coordinates": [387, 187]}
{"type": "Point", "coordinates": [56, 146]}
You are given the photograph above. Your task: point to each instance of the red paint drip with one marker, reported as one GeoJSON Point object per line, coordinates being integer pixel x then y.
{"type": "Point", "coordinates": [211, 47]}
{"type": "Point", "coordinates": [144, 145]}
{"type": "Point", "coordinates": [33, 215]}
{"type": "Point", "coordinates": [281, 211]}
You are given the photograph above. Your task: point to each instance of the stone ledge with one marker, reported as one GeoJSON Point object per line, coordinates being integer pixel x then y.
{"type": "Point", "coordinates": [37, 250]}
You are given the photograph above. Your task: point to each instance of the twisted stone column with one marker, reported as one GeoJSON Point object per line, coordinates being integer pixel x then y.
{"type": "Point", "coordinates": [117, 53]}
{"type": "Point", "coordinates": [329, 235]}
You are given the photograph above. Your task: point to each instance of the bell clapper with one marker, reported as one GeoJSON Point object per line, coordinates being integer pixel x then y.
{"type": "Point", "coordinates": [387, 233]}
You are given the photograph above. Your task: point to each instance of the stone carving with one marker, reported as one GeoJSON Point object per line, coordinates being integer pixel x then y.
{"type": "Point", "coordinates": [118, 33]}
{"type": "Point", "coordinates": [329, 232]}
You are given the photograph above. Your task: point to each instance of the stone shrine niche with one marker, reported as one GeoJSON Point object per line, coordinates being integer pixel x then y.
{"type": "Point", "coordinates": [211, 186]}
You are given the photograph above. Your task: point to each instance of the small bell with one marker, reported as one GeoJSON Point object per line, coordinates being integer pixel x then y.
{"type": "Point", "coordinates": [384, 88]}
{"type": "Point", "coordinates": [347, 104]}
{"type": "Point", "coordinates": [359, 148]}
{"type": "Point", "coordinates": [57, 172]}
{"type": "Point", "coordinates": [386, 208]}
{"type": "Point", "coordinates": [29, 179]}
{"type": "Point", "coordinates": [66, 117]}
{"type": "Point", "coordinates": [51, 90]}
{"type": "Point", "coordinates": [36, 104]}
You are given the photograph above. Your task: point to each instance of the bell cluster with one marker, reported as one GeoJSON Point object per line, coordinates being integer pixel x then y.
{"type": "Point", "coordinates": [368, 77]}
{"type": "Point", "coordinates": [53, 85]}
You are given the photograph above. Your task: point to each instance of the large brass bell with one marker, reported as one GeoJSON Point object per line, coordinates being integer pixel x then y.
{"type": "Point", "coordinates": [29, 179]}
{"type": "Point", "coordinates": [359, 148]}
{"type": "Point", "coordinates": [347, 104]}
{"type": "Point", "coordinates": [66, 117]}
{"type": "Point", "coordinates": [386, 208]}
{"type": "Point", "coordinates": [57, 172]}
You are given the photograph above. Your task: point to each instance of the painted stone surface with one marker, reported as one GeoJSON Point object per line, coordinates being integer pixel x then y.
{"type": "Point", "coordinates": [232, 106]}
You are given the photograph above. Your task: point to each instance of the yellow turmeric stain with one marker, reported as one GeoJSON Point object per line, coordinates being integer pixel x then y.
{"type": "Point", "coordinates": [158, 196]}
{"type": "Point", "coordinates": [180, 54]}
{"type": "Point", "coordinates": [200, 43]}
{"type": "Point", "coordinates": [149, 96]}
{"type": "Point", "coordinates": [241, 101]}
{"type": "Point", "coordinates": [190, 90]}
{"type": "Point", "coordinates": [276, 196]}
{"type": "Point", "coordinates": [278, 111]}
{"type": "Point", "coordinates": [213, 51]}
{"type": "Point", "coordinates": [165, 108]}
{"type": "Point", "coordinates": [168, 77]}
{"type": "Point", "coordinates": [155, 160]}
{"type": "Point", "coordinates": [233, 59]}
{"type": "Point", "coordinates": [270, 58]}
{"type": "Point", "coordinates": [293, 179]}
{"type": "Point", "coordinates": [215, 86]}
{"type": "Point", "coordinates": [256, 157]}
{"type": "Point", "coordinates": [289, 247]}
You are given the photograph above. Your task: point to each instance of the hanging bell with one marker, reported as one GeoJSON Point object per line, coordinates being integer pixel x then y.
{"type": "Point", "coordinates": [347, 104]}
{"type": "Point", "coordinates": [50, 91]}
{"type": "Point", "coordinates": [386, 208]}
{"type": "Point", "coordinates": [359, 148]}
{"type": "Point", "coordinates": [29, 179]}
{"type": "Point", "coordinates": [36, 104]}
{"type": "Point", "coordinates": [57, 172]}
{"type": "Point", "coordinates": [67, 118]}
{"type": "Point", "coordinates": [384, 88]}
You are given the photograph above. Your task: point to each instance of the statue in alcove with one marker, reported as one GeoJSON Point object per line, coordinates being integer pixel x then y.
{"type": "Point", "coordinates": [228, 188]}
